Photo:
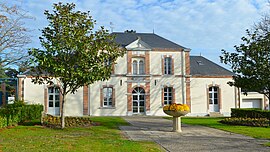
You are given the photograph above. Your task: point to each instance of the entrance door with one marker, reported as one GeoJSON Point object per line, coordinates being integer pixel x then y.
{"type": "Point", "coordinates": [138, 100]}
{"type": "Point", "coordinates": [54, 101]}
{"type": "Point", "coordinates": [213, 99]}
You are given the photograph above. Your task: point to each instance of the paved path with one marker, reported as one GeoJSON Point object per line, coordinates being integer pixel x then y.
{"type": "Point", "coordinates": [193, 138]}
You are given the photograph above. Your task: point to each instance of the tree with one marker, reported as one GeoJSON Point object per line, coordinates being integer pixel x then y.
{"type": "Point", "coordinates": [14, 36]}
{"type": "Point", "coordinates": [74, 55]}
{"type": "Point", "coordinates": [251, 63]}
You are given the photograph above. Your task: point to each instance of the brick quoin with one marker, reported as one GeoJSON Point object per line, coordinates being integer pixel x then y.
{"type": "Point", "coordinates": [187, 67]}
{"type": "Point", "coordinates": [85, 100]}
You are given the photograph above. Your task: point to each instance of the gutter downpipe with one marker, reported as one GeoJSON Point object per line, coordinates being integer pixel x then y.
{"type": "Point", "coordinates": [183, 77]}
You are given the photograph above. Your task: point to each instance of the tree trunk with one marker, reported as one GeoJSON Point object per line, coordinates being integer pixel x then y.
{"type": "Point", "coordinates": [63, 113]}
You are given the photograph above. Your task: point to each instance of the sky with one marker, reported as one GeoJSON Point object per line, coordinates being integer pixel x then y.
{"type": "Point", "coordinates": [204, 26]}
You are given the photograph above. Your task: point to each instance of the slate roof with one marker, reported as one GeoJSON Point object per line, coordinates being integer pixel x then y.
{"type": "Point", "coordinates": [200, 66]}
{"type": "Point", "coordinates": [153, 40]}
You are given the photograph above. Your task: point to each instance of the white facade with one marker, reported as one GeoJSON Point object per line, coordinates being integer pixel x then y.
{"type": "Point", "coordinates": [142, 82]}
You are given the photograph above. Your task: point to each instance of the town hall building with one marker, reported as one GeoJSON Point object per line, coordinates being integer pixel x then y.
{"type": "Point", "coordinates": [154, 72]}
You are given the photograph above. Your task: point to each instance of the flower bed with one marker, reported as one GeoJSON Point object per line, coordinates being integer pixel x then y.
{"type": "Point", "coordinates": [255, 122]}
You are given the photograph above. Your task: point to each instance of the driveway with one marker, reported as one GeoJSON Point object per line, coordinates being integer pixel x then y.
{"type": "Point", "coordinates": [193, 138]}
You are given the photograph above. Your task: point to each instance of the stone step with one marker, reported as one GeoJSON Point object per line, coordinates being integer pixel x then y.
{"type": "Point", "coordinates": [215, 114]}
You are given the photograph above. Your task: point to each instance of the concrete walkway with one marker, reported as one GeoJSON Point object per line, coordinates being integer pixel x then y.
{"type": "Point", "coordinates": [193, 138]}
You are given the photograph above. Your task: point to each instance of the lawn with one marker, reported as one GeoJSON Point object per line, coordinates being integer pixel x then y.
{"type": "Point", "coordinates": [105, 137]}
{"type": "Point", "coordinates": [256, 132]}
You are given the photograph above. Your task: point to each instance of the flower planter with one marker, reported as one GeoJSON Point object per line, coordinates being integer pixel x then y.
{"type": "Point", "coordinates": [177, 111]}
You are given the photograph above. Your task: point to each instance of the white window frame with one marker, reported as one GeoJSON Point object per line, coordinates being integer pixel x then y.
{"type": "Point", "coordinates": [168, 93]}
{"type": "Point", "coordinates": [138, 66]}
{"type": "Point", "coordinates": [107, 97]}
{"type": "Point", "coordinates": [168, 65]}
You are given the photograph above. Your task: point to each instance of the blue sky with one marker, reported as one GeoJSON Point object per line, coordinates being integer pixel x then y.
{"type": "Point", "coordinates": [204, 26]}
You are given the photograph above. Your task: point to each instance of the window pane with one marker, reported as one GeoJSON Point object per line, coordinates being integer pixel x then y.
{"type": "Point", "coordinates": [56, 90]}
{"type": "Point", "coordinates": [215, 88]}
{"type": "Point", "coordinates": [210, 95]}
{"type": "Point", "coordinates": [135, 97]}
{"type": "Point", "coordinates": [57, 97]}
{"type": "Point", "coordinates": [141, 97]}
{"type": "Point", "coordinates": [50, 97]}
{"type": "Point", "coordinates": [141, 67]}
{"type": "Point", "coordinates": [210, 89]}
{"type": "Point", "coordinates": [142, 103]}
{"type": "Point", "coordinates": [56, 103]}
{"type": "Point", "coordinates": [105, 103]}
{"type": "Point", "coordinates": [215, 95]}
{"type": "Point", "coordinates": [135, 103]}
{"type": "Point", "coordinates": [210, 101]}
{"type": "Point", "coordinates": [215, 101]}
{"type": "Point", "coordinates": [170, 98]}
{"type": "Point", "coordinates": [50, 90]}
{"type": "Point", "coordinates": [170, 102]}
{"type": "Point", "coordinates": [50, 103]}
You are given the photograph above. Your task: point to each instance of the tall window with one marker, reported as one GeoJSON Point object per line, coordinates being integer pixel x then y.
{"type": "Point", "coordinates": [141, 67]}
{"type": "Point", "coordinates": [168, 65]}
{"type": "Point", "coordinates": [107, 97]}
{"type": "Point", "coordinates": [168, 95]}
{"type": "Point", "coordinates": [138, 66]}
{"type": "Point", "coordinates": [54, 97]}
{"type": "Point", "coordinates": [213, 95]}
{"type": "Point", "coordinates": [135, 67]}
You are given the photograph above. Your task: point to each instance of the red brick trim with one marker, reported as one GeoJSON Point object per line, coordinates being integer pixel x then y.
{"type": "Point", "coordinates": [129, 97]}
{"type": "Point", "coordinates": [20, 88]}
{"type": "Point", "coordinates": [129, 62]}
{"type": "Point", "coordinates": [187, 67]}
{"type": "Point", "coordinates": [147, 97]}
{"type": "Point", "coordinates": [46, 99]}
{"type": "Point", "coordinates": [147, 63]}
{"type": "Point", "coordinates": [85, 100]}
{"type": "Point", "coordinates": [3, 87]}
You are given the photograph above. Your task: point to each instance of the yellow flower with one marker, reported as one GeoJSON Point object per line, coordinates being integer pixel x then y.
{"type": "Point", "coordinates": [166, 108]}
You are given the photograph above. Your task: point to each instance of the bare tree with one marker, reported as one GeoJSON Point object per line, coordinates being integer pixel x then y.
{"type": "Point", "coordinates": [14, 36]}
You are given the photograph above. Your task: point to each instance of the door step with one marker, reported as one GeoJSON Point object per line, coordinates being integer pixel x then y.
{"type": "Point", "coordinates": [215, 114]}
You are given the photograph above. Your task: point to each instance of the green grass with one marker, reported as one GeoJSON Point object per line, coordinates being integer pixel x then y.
{"type": "Point", "coordinates": [256, 132]}
{"type": "Point", "coordinates": [106, 137]}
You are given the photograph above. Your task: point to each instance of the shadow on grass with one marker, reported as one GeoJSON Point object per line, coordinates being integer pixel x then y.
{"type": "Point", "coordinates": [30, 123]}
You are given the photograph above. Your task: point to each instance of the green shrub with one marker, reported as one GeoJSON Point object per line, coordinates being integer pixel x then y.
{"type": "Point", "coordinates": [255, 122]}
{"type": "Point", "coordinates": [55, 121]}
{"type": "Point", "coordinates": [12, 114]}
{"type": "Point", "coordinates": [250, 113]}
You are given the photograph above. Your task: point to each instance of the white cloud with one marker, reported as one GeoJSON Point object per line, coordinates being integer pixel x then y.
{"type": "Point", "coordinates": [205, 26]}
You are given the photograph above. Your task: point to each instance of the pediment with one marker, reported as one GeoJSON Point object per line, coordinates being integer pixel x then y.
{"type": "Point", "coordinates": [138, 45]}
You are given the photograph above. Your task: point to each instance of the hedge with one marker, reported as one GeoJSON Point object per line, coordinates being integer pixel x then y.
{"type": "Point", "coordinates": [12, 114]}
{"type": "Point", "coordinates": [255, 122]}
{"type": "Point", "coordinates": [250, 113]}
{"type": "Point", "coordinates": [55, 121]}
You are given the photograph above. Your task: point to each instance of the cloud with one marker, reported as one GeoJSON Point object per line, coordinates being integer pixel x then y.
{"type": "Point", "coordinates": [205, 26]}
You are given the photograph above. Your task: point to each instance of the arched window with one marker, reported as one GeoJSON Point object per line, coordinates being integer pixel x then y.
{"type": "Point", "coordinates": [135, 67]}
{"type": "Point", "coordinates": [141, 67]}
